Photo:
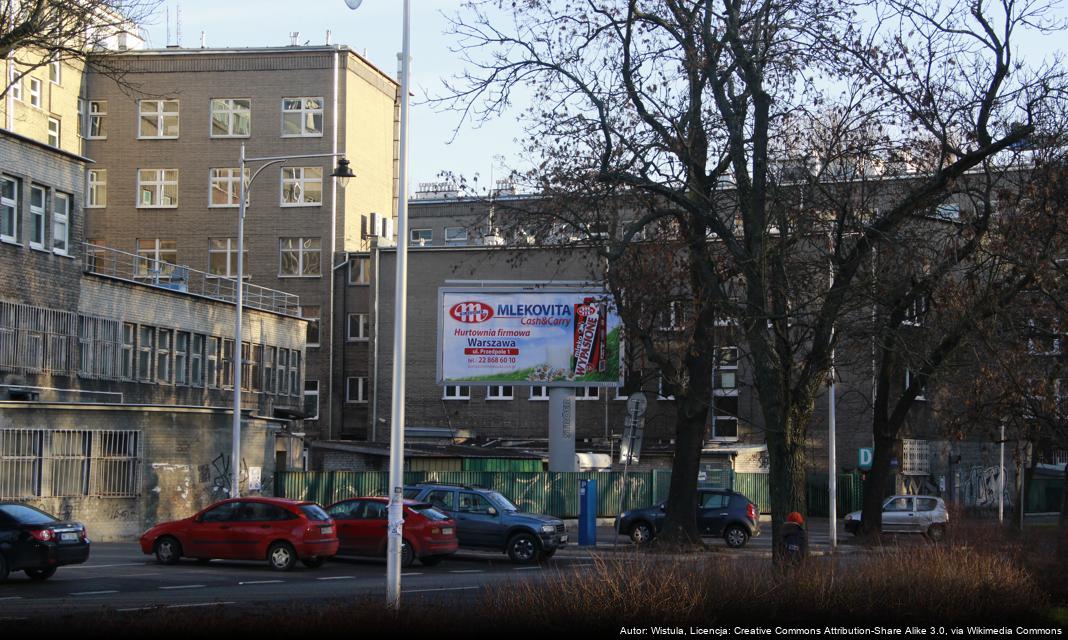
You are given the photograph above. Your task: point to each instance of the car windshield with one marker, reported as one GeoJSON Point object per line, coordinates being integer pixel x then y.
{"type": "Point", "coordinates": [314, 512]}
{"type": "Point", "coordinates": [501, 502]}
{"type": "Point", "coordinates": [26, 515]}
{"type": "Point", "coordinates": [428, 511]}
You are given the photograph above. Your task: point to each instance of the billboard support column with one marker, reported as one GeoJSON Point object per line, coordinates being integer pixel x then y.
{"type": "Point", "coordinates": [562, 429]}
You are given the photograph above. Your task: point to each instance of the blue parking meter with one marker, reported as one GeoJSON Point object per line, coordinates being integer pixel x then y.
{"type": "Point", "coordinates": [587, 513]}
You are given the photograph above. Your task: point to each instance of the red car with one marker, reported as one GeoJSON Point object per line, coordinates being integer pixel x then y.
{"type": "Point", "coordinates": [279, 531]}
{"type": "Point", "coordinates": [429, 534]}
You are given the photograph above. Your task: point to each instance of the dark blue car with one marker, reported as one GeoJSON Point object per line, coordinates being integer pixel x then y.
{"type": "Point", "coordinates": [720, 512]}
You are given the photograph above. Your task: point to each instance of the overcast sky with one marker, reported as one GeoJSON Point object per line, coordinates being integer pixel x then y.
{"type": "Point", "coordinates": [375, 29]}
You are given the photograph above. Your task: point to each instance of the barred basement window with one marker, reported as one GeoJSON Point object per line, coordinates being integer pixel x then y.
{"type": "Point", "coordinates": [116, 464]}
{"type": "Point", "coordinates": [20, 463]}
{"type": "Point", "coordinates": [71, 451]}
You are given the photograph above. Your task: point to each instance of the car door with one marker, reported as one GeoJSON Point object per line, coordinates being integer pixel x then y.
{"type": "Point", "coordinates": [257, 524]}
{"type": "Point", "coordinates": [369, 532]}
{"type": "Point", "coordinates": [209, 535]}
{"type": "Point", "coordinates": [925, 513]}
{"type": "Point", "coordinates": [712, 512]}
{"type": "Point", "coordinates": [345, 515]}
{"type": "Point", "coordinates": [445, 500]}
{"type": "Point", "coordinates": [479, 520]}
{"type": "Point", "coordinates": [898, 514]}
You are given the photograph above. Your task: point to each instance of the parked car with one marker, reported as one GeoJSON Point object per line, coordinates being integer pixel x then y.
{"type": "Point", "coordinates": [908, 514]}
{"type": "Point", "coordinates": [38, 543]}
{"type": "Point", "coordinates": [273, 529]}
{"type": "Point", "coordinates": [429, 534]}
{"type": "Point", "coordinates": [720, 512]}
{"type": "Point", "coordinates": [485, 519]}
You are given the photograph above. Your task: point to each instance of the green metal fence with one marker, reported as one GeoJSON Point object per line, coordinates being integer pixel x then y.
{"type": "Point", "coordinates": [556, 493]}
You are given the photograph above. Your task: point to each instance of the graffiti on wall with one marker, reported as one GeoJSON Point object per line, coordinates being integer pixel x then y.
{"type": "Point", "coordinates": [979, 487]}
{"type": "Point", "coordinates": [220, 471]}
{"type": "Point", "coordinates": [920, 486]}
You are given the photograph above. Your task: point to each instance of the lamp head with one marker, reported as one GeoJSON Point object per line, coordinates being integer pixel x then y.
{"type": "Point", "coordinates": [343, 171]}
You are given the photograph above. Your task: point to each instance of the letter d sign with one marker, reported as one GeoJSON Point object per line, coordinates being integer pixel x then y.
{"type": "Point", "coordinates": [866, 455]}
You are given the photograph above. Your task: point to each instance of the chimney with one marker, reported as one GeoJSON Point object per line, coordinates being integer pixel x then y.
{"type": "Point", "coordinates": [203, 40]}
{"type": "Point", "coordinates": [329, 37]}
{"type": "Point", "coordinates": [294, 38]}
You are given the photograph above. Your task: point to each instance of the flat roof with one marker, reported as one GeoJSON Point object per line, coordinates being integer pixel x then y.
{"type": "Point", "coordinates": [47, 147]}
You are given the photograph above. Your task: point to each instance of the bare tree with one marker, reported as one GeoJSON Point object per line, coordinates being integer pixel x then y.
{"type": "Point", "coordinates": [775, 143]}
{"type": "Point", "coordinates": [35, 33]}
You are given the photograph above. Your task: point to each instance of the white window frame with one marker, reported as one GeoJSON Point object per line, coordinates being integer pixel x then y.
{"type": "Point", "coordinates": [55, 72]}
{"type": "Point", "coordinates": [916, 311]}
{"type": "Point", "coordinates": [300, 252]}
{"type": "Point", "coordinates": [308, 392]}
{"type": "Point", "coordinates": [364, 270]}
{"type": "Point", "coordinates": [420, 242]}
{"type": "Point", "coordinates": [496, 392]}
{"type": "Point", "coordinates": [456, 392]}
{"type": "Point", "coordinates": [543, 392]}
{"type": "Point", "coordinates": [61, 223]}
{"type": "Point", "coordinates": [1032, 349]}
{"type": "Point", "coordinates": [227, 178]}
{"type": "Point", "coordinates": [14, 81]}
{"type": "Point", "coordinates": [54, 132]}
{"type": "Point", "coordinates": [303, 111]}
{"type": "Point", "coordinates": [162, 115]}
{"type": "Point", "coordinates": [228, 108]}
{"type": "Point", "coordinates": [35, 92]}
{"type": "Point", "coordinates": [298, 178]}
{"type": "Point", "coordinates": [361, 390]}
{"type": "Point", "coordinates": [456, 240]}
{"type": "Point", "coordinates": [96, 120]}
{"type": "Point", "coordinates": [908, 380]}
{"type": "Point", "coordinates": [363, 326]}
{"type": "Point", "coordinates": [38, 215]}
{"type": "Point", "coordinates": [96, 180]}
{"type": "Point", "coordinates": [157, 181]}
{"type": "Point", "coordinates": [154, 256]}
{"type": "Point", "coordinates": [13, 205]}
{"type": "Point", "coordinates": [230, 250]}
{"type": "Point", "coordinates": [587, 393]}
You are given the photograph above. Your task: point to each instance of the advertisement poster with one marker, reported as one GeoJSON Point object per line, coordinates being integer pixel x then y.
{"type": "Point", "coordinates": [554, 338]}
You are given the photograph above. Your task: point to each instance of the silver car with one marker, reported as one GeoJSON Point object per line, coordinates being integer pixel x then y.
{"type": "Point", "coordinates": [908, 514]}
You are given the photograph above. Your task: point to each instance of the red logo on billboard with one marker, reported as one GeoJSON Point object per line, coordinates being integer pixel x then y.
{"type": "Point", "coordinates": [471, 312]}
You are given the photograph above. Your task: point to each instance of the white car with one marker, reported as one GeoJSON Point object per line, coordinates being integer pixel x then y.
{"type": "Point", "coordinates": [908, 514]}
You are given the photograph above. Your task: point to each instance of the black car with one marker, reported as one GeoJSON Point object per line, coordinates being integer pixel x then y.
{"type": "Point", "coordinates": [37, 543]}
{"type": "Point", "coordinates": [487, 520]}
{"type": "Point", "coordinates": [720, 512]}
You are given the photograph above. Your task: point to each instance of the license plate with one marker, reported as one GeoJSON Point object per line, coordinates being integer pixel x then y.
{"type": "Point", "coordinates": [68, 537]}
{"type": "Point", "coordinates": [447, 531]}
{"type": "Point", "coordinates": [563, 538]}
{"type": "Point", "coordinates": [327, 530]}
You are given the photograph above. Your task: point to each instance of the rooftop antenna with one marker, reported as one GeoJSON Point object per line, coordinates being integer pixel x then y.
{"type": "Point", "coordinates": [203, 39]}
{"type": "Point", "coordinates": [178, 24]}
{"type": "Point", "coordinates": [167, 11]}
{"type": "Point", "coordinates": [329, 37]}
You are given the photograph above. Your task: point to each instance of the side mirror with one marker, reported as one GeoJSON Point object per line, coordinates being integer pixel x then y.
{"type": "Point", "coordinates": [492, 511]}
{"type": "Point", "coordinates": [663, 506]}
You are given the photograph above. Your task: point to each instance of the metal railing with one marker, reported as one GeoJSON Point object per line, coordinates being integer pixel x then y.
{"type": "Point", "coordinates": [105, 261]}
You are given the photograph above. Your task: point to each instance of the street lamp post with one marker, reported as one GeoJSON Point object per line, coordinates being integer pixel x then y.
{"type": "Point", "coordinates": [400, 321]}
{"type": "Point", "coordinates": [343, 172]}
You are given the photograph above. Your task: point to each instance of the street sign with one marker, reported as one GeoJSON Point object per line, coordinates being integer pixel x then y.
{"type": "Point", "coordinates": [633, 429]}
{"type": "Point", "coordinates": [865, 458]}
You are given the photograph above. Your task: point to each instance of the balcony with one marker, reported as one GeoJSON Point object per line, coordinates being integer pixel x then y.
{"type": "Point", "coordinates": [112, 263]}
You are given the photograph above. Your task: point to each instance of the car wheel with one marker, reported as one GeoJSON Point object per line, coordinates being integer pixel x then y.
{"type": "Point", "coordinates": [430, 561]}
{"type": "Point", "coordinates": [41, 574]}
{"type": "Point", "coordinates": [407, 555]}
{"type": "Point", "coordinates": [936, 532]}
{"type": "Point", "coordinates": [168, 550]}
{"type": "Point", "coordinates": [641, 533]}
{"type": "Point", "coordinates": [523, 548]}
{"type": "Point", "coordinates": [314, 563]}
{"type": "Point", "coordinates": [736, 536]}
{"type": "Point", "coordinates": [3, 568]}
{"type": "Point", "coordinates": [281, 556]}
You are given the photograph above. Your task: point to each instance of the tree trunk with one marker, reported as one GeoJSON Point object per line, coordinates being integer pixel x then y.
{"type": "Point", "coordinates": [877, 486]}
{"type": "Point", "coordinates": [787, 478]}
{"type": "Point", "coordinates": [680, 525]}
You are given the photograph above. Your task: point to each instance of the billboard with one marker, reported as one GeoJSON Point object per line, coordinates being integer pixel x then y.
{"type": "Point", "coordinates": [528, 337]}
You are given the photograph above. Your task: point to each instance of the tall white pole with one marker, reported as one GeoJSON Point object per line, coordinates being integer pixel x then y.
{"type": "Point", "coordinates": [1001, 480]}
{"type": "Point", "coordinates": [400, 321]}
{"type": "Point", "coordinates": [235, 452]}
{"type": "Point", "coordinates": [832, 485]}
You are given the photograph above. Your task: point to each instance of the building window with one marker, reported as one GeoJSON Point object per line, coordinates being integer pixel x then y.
{"type": "Point", "coordinates": [181, 357]}
{"type": "Point", "coordinates": [35, 93]}
{"type": "Point", "coordinates": [226, 363]}
{"type": "Point", "coordinates": [96, 188]}
{"type": "Point", "coordinates": [97, 128]}
{"type": "Point", "coordinates": [916, 457]}
{"type": "Point", "coordinates": [671, 316]}
{"type": "Point", "coordinates": [922, 395]}
{"type": "Point", "coordinates": [222, 258]}
{"type": "Point", "coordinates": [358, 326]}
{"type": "Point", "coordinates": [356, 390]}
{"type": "Point", "coordinates": [300, 257]}
{"type": "Point", "coordinates": [268, 369]}
{"type": "Point", "coordinates": [72, 463]}
{"type": "Point", "coordinates": [539, 393]}
{"type": "Point", "coordinates": [163, 356]}
{"type": "Point", "coordinates": [311, 399]}
{"type": "Point", "coordinates": [156, 257]}
{"type": "Point", "coordinates": [916, 310]}
{"type": "Point", "coordinates": [499, 392]}
{"type": "Point", "coordinates": [157, 188]}
{"type": "Point", "coordinates": [302, 186]}
{"type": "Point", "coordinates": [211, 363]}
{"type": "Point", "coordinates": [129, 333]}
{"type": "Point", "coordinates": [55, 71]}
{"type": "Point", "coordinates": [225, 187]}
{"type": "Point", "coordinates": [457, 392]}
{"type": "Point", "coordinates": [60, 223]}
{"type": "Point", "coordinates": [159, 119]}
{"type": "Point", "coordinates": [302, 117]}
{"type": "Point", "coordinates": [726, 376]}
{"type": "Point", "coordinates": [360, 270]}
{"type": "Point", "coordinates": [246, 366]}
{"type": "Point", "coordinates": [724, 418]}
{"type": "Point", "coordinates": [294, 373]}
{"type": "Point", "coordinates": [312, 315]}
{"type": "Point", "coordinates": [1044, 340]}
{"type": "Point", "coordinates": [81, 117]}
{"type": "Point", "coordinates": [9, 209]}
{"type": "Point", "coordinates": [231, 118]}
{"type": "Point", "coordinates": [53, 132]}
{"type": "Point", "coordinates": [146, 346]}
{"type": "Point", "coordinates": [196, 361]}
{"type": "Point", "coordinates": [420, 237]}
{"type": "Point", "coordinates": [455, 236]}
{"type": "Point", "coordinates": [14, 81]}
{"type": "Point", "coordinates": [586, 393]}
{"type": "Point", "coordinates": [280, 383]}
{"type": "Point", "coordinates": [257, 372]}
{"type": "Point", "coordinates": [37, 217]}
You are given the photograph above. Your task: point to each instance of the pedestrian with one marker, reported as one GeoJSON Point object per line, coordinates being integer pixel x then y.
{"type": "Point", "coordinates": [794, 540]}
